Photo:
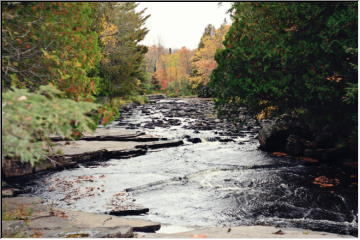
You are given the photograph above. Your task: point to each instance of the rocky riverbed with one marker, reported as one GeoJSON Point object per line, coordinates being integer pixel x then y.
{"type": "Point", "coordinates": [197, 171]}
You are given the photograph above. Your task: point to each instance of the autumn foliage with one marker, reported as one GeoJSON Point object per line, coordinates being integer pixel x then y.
{"type": "Point", "coordinates": [203, 62]}
{"type": "Point", "coordinates": [53, 42]}
{"type": "Point", "coordinates": [182, 71]}
{"type": "Point", "coordinates": [173, 68]}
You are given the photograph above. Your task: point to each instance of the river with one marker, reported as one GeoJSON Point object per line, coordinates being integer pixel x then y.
{"type": "Point", "coordinates": [224, 180]}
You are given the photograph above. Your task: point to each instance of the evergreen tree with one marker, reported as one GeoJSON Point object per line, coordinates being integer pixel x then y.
{"type": "Point", "coordinates": [121, 66]}
{"type": "Point", "coordinates": [298, 58]}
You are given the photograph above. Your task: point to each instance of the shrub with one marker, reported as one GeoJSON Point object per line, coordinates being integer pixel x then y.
{"type": "Point", "coordinates": [30, 118]}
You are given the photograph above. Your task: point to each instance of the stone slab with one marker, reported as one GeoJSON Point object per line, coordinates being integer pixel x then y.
{"type": "Point", "coordinates": [82, 146]}
{"type": "Point", "coordinates": [94, 220]}
{"type": "Point", "coordinates": [248, 232]}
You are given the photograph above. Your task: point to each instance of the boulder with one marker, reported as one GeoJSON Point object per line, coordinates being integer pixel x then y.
{"type": "Point", "coordinates": [325, 137]}
{"type": "Point", "coordinates": [272, 136]}
{"type": "Point", "coordinates": [294, 145]}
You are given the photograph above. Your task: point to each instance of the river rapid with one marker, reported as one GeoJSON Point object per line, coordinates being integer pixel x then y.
{"type": "Point", "coordinates": [224, 180]}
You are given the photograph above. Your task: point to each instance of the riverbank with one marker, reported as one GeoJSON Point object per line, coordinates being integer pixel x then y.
{"type": "Point", "coordinates": [212, 170]}
{"type": "Point", "coordinates": [102, 145]}
{"type": "Point", "coordinates": [28, 217]}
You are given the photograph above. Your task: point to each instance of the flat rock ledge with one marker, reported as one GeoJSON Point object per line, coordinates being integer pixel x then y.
{"type": "Point", "coordinates": [28, 217]}
{"type": "Point", "coordinates": [126, 144]}
{"type": "Point", "coordinates": [104, 134]}
{"type": "Point", "coordinates": [246, 232]}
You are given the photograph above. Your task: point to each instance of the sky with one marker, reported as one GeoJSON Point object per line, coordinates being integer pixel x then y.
{"type": "Point", "coordinates": [178, 24]}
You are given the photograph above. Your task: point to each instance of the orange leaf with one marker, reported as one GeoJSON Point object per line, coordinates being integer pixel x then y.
{"type": "Point", "coordinates": [308, 159]}
{"type": "Point", "coordinates": [323, 181]}
{"type": "Point", "coordinates": [199, 236]}
{"type": "Point", "coordinates": [279, 154]}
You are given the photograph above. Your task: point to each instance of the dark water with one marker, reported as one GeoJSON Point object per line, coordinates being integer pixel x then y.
{"type": "Point", "coordinates": [210, 183]}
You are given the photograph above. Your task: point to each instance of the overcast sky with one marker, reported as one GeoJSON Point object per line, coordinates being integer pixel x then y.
{"type": "Point", "coordinates": [178, 24]}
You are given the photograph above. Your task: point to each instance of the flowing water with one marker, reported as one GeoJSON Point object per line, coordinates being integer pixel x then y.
{"type": "Point", "coordinates": [210, 183]}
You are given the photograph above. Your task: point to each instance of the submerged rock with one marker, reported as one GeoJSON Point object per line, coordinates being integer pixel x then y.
{"type": "Point", "coordinates": [194, 140]}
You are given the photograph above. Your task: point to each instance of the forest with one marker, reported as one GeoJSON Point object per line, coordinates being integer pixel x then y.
{"type": "Point", "coordinates": [267, 100]}
{"type": "Point", "coordinates": [273, 61]}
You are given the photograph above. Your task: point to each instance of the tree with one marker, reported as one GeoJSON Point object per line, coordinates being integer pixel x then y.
{"type": "Point", "coordinates": [121, 66]}
{"type": "Point", "coordinates": [294, 58]}
{"type": "Point", "coordinates": [203, 62]}
{"type": "Point", "coordinates": [30, 118]}
{"type": "Point", "coordinates": [174, 68]}
{"type": "Point", "coordinates": [50, 42]}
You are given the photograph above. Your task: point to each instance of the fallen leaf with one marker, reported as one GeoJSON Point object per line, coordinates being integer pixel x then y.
{"type": "Point", "coordinates": [323, 181]}
{"type": "Point", "coordinates": [279, 154]}
{"type": "Point", "coordinates": [308, 159]}
{"type": "Point", "coordinates": [199, 236]}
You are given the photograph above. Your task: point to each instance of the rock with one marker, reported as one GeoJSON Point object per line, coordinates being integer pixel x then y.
{"type": "Point", "coordinates": [104, 134]}
{"type": "Point", "coordinates": [128, 212]}
{"type": "Point", "coordinates": [125, 153]}
{"type": "Point", "coordinates": [139, 138]}
{"type": "Point", "coordinates": [52, 222]}
{"type": "Point", "coordinates": [19, 201]}
{"type": "Point", "coordinates": [14, 167]}
{"type": "Point", "coordinates": [163, 144]}
{"type": "Point", "coordinates": [194, 140]}
{"type": "Point", "coordinates": [93, 220]}
{"type": "Point", "coordinates": [45, 164]}
{"type": "Point", "coordinates": [156, 96]}
{"type": "Point", "coordinates": [13, 228]}
{"type": "Point", "coordinates": [248, 232]}
{"type": "Point", "coordinates": [294, 145]}
{"type": "Point", "coordinates": [274, 133]}
{"type": "Point", "coordinates": [225, 139]}
{"type": "Point", "coordinates": [324, 138]}
{"type": "Point", "coordinates": [31, 207]}
{"type": "Point", "coordinates": [10, 192]}
{"type": "Point", "coordinates": [45, 221]}
{"type": "Point", "coordinates": [272, 137]}
{"type": "Point", "coordinates": [86, 151]}
{"type": "Point", "coordinates": [100, 232]}
{"type": "Point", "coordinates": [174, 122]}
